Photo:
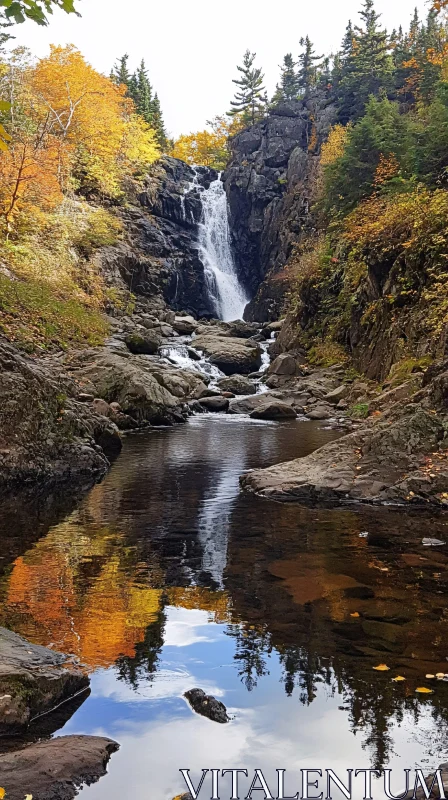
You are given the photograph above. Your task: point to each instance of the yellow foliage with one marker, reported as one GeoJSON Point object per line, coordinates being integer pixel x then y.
{"type": "Point", "coordinates": [208, 148]}
{"type": "Point", "coordinates": [382, 668]}
{"type": "Point", "coordinates": [424, 690]}
{"type": "Point", "coordinates": [333, 147]}
{"type": "Point", "coordinates": [2, 793]}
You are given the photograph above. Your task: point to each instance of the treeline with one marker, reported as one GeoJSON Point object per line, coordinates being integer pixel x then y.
{"type": "Point", "coordinates": [140, 90]}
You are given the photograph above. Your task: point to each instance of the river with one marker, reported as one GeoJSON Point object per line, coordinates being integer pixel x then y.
{"type": "Point", "coordinates": [165, 577]}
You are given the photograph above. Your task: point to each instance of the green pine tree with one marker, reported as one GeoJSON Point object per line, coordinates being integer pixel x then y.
{"type": "Point", "coordinates": [307, 75]}
{"type": "Point", "coordinates": [288, 87]}
{"type": "Point", "coordinates": [120, 72]}
{"type": "Point", "coordinates": [158, 122]}
{"type": "Point", "coordinates": [250, 101]}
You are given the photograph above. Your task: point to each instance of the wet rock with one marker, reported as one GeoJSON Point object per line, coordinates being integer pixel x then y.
{"type": "Point", "coordinates": [246, 405]}
{"type": "Point", "coordinates": [231, 356]}
{"type": "Point", "coordinates": [215, 404]}
{"type": "Point", "coordinates": [229, 395]}
{"type": "Point", "coordinates": [55, 769]}
{"type": "Point", "coordinates": [238, 385]}
{"type": "Point", "coordinates": [273, 327]}
{"type": "Point", "coordinates": [240, 329]}
{"type": "Point", "coordinates": [193, 354]}
{"type": "Point", "coordinates": [143, 343]}
{"type": "Point", "coordinates": [185, 325]}
{"type": "Point", "coordinates": [207, 705]}
{"type": "Point", "coordinates": [33, 680]}
{"type": "Point", "coordinates": [101, 407]}
{"type": "Point", "coordinates": [274, 410]}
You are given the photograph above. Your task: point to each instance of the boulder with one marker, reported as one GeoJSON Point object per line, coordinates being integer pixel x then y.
{"type": "Point", "coordinates": [33, 680]}
{"type": "Point", "coordinates": [274, 410]}
{"type": "Point", "coordinates": [146, 343]}
{"type": "Point", "coordinates": [206, 705]}
{"type": "Point", "coordinates": [215, 404]}
{"type": "Point", "coordinates": [237, 384]}
{"type": "Point", "coordinates": [55, 769]}
{"type": "Point", "coordinates": [147, 389]}
{"type": "Point", "coordinates": [246, 405]}
{"type": "Point", "coordinates": [285, 364]}
{"type": "Point", "coordinates": [273, 327]}
{"type": "Point", "coordinates": [337, 394]}
{"type": "Point", "coordinates": [184, 325]}
{"type": "Point", "coordinates": [101, 407]}
{"type": "Point", "coordinates": [231, 356]}
{"type": "Point", "coordinates": [320, 412]}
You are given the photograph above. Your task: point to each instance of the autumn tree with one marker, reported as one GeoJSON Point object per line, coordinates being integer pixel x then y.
{"type": "Point", "coordinates": [208, 147]}
{"type": "Point", "coordinates": [139, 88]}
{"type": "Point", "coordinates": [250, 99]}
{"type": "Point", "coordinates": [71, 129]}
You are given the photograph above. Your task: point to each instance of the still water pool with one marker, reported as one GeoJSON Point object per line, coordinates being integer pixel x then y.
{"type": "Point", "coordinates": [166, 577]}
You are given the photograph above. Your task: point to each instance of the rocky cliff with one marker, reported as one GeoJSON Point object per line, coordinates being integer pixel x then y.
{"type": "Point", "coordinates": [269, 184]}
{"type": "Point", "coordinates": [158, 257]}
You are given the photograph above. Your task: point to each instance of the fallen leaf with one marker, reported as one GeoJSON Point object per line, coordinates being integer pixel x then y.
{"type": "Point", "coordinates": [440, 675]}
{"type": "Point", "coordinates": [382, 668]}
{"type": "Point", "coordinates": [424, 690]}
{"type": "Point", "coordinates": [2, 793]}
{"type": "Point", "coordinates": [398, 678]}
{"type": "Point", "coordinates": [355, 614]}
{"type": "Point", "coordinates": [29, 797]}
{"type": "Point", "coordinates": [430, 676]}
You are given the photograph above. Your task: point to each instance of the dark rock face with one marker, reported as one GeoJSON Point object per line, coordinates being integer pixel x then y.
{"type": "Point", "coordinates": [158, 257]}
{"type": "Point", "coordinates": [269, 185]}
{"type": "Point", "coordinates": [33, 680]}
{"type": "Point", "coordinates": [46, 434]}
{"type": "Point", "coordinates": [55, 769]}
{"type": "Point", "coordinates": [207, 705]}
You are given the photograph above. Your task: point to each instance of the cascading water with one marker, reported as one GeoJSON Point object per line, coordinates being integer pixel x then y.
{"type": "Point", "coordinates": [226, 293]}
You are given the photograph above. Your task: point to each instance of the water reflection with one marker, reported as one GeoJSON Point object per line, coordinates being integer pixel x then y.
{"type": "Point", "coordinates": [166, 577]}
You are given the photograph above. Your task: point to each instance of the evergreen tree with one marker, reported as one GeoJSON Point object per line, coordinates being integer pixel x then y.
{"type": "Point", "coordinates": [120, 72]}
{"type": "Point", "coordinates": [158, 122]}
{"type": "Point", "coordinates": [250, 101]}
{"type": "Point", "coordinates": [143, 100]}
{"type": "Point", "coordinates": [288, 87]}
{"type": "Point", "coordinates": [307, 75]}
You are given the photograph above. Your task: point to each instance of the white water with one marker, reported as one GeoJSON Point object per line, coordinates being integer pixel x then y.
{"type": "Point", "coordinates": [228, 297]}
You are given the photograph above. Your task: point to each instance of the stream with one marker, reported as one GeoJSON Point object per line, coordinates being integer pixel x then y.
{"type": "Point", "coordinates": [165, 577]}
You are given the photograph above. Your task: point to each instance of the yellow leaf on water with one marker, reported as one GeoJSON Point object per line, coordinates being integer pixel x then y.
{"type": "Point", "coordinates": [382, 668]}
{"type": "Point", "coordinates": [355, 614]}
{"type": "Point", "coordinates": [440, 675]}
{"type": "Point", "coordinates": [430, 676]}
{"type": "Point", "coordinates": [29, 797]}
{"type": "Point", "coordinates": [398, 678]}
{"type": "Point", "coordinates": [2, 793]}
{"type": "Point", "coordinates": [424, 690]}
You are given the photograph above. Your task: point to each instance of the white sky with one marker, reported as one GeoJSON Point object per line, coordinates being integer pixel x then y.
{"type": "Point", "coordinates": [191, 47]}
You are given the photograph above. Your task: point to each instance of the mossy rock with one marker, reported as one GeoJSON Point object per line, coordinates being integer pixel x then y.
{"type": "Point", "coordinates": [146, 343]}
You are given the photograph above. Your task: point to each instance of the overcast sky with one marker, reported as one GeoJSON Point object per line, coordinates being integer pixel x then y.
{"type": "Point", "coordinates": [191, 47]}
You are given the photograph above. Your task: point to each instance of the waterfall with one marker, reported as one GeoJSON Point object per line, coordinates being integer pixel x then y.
{"type": "Point", "coordinates": [227, 294]}
{"type": "Point", "coordinates": [228, 297]}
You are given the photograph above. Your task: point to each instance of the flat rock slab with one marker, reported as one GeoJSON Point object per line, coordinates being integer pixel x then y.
{"type": "Point", "coordinates": [206, 705]}
{"type": "Point", "coordinates": [33, 680]}
{"type": "Point", "coordinates": [55, 769]}
{"type": "Point", "coordinates": [382, 461]}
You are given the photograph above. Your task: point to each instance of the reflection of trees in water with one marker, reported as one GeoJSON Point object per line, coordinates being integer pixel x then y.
{"type": "Point", "coordinates": [142, 666]}
{"type": "Point", "coordinates": [252, 646]}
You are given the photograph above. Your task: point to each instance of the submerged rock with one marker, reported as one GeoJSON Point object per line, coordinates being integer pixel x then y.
{"type": "Point", "coordinates": [55, 769]}
{"type": "Point", "coordinates": [207, 705]}
{"type": "Point", "coordinates": [33, 680]}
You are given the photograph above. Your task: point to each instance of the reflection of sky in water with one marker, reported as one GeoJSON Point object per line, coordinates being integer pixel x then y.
{"type": "Point", "coordinates": [159, 733]}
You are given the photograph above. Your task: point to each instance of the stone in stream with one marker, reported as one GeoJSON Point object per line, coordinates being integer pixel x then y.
{"type": "Point", "coordinates": [146, 343]}
{"type": "Point", "coordinates": [274, 410]}
{"type": "Point", "coordinates": [55, 769]}
{"type": "Point", "coordinates": [207, 705]}
{"type": "Point", "coordinates": [33, 680]}
{"type": "Point", "coordinates": [184, 325]}
{"type": "Point", "coordinates": [237, 384]}
{"type": "Point", "coordinates": [232, 356]}
{"type": "Point", "coordinates": [215, 404]}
